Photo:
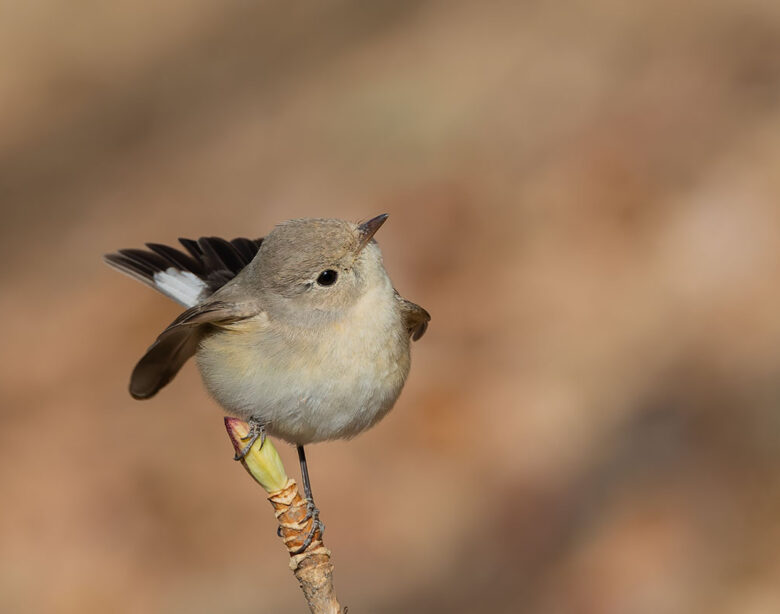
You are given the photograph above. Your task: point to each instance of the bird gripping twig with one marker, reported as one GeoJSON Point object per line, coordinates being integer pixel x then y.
{"type": "Point", "coordinates": [312, 566]}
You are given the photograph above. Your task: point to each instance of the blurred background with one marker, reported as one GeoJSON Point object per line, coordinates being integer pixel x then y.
{"type": "Point", "coordinates": [585, 197]}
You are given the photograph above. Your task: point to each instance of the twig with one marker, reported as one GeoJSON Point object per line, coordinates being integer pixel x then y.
{"type": "Point", "coordinates": [312, 567]}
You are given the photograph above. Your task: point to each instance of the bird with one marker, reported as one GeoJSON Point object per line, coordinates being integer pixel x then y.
{"type": "Point", "coordinates": [300, 333]}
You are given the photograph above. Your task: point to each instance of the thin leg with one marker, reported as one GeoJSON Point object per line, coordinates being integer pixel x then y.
{"type": "Point", "coordinates": [304, 473]}
{"type": "Point", "coordinates": [256, 430]}
{"type": "Point", "coordinates": [311, 509]}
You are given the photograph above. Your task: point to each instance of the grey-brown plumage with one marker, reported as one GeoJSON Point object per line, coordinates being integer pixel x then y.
{"type": "Point", "coordinates": [301, 332]}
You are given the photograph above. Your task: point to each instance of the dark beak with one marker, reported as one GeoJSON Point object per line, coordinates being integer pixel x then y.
{"type": "Point", "coordinates": [369, 228]}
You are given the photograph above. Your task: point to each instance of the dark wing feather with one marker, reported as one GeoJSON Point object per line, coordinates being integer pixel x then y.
{"type": "Point", "coordinates": [177, 343]}
{"type": "Point", "coordinates": [162, 362]}
{"type": "Point", "coordinates": [415, 317]}
{"type": "Point", "coordinates": [214, 262]}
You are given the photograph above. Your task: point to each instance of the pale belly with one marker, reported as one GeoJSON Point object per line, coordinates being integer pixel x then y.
{"type": "Point", "coordinates": [307, 388]}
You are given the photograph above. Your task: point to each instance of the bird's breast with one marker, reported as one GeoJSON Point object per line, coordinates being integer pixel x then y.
{"type": "Point", "coordinates": [309, 384]}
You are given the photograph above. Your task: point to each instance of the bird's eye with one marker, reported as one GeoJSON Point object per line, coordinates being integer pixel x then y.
{"type": "Point", "coordinates": [327, 278]}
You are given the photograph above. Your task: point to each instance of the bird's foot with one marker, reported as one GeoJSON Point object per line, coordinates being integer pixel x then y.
{"type": "Point", "coordinates": [256, 430]}
{"type": "Point", "coordinates": [313, 514]}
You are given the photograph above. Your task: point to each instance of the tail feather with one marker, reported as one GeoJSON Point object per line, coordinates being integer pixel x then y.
{"type": "Point", "coordinates": [187, 278]}
{"type": "Point", "coordinates": [220, 255]}
{"type": "Point", "coordinates": [246, 247]}
{"type": "Point", "coordinates": [178, 258]}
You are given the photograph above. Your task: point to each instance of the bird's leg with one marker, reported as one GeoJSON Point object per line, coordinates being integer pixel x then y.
{"type": "Point", "coordinates": [311, 509]}
{"type": "Point", "coordinates": [256, 429]}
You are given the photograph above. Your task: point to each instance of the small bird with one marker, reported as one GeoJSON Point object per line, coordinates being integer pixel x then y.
{"type": "Point", "coordinates": [300, 333]}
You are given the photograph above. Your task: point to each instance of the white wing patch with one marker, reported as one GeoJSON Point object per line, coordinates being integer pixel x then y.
{"type": "Point", "coordinates": [182, 286]}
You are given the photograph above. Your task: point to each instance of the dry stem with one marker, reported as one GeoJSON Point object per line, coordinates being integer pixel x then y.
{"type": "Point", "coordinates": [312, 567]}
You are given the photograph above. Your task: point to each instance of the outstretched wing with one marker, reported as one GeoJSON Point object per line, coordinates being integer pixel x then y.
{"type": "Point", "coordinates": [187, 277]}
{"type": "Point", "coordinates": [415, 317]}
{"type": "Point", "coordinates": [177, 343]}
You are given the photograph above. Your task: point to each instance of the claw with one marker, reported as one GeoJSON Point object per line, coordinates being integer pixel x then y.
{"type": "Point", "coordinates": [256, 430]}
{"type": "Point", "coordinates": [313, 514]}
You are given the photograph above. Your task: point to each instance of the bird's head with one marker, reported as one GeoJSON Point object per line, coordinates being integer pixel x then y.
{"type": "Point", "coordinates": [318, 268]}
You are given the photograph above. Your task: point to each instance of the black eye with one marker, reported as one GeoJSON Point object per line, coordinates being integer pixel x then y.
{"type": "Point", "coordinates": [327, 278]}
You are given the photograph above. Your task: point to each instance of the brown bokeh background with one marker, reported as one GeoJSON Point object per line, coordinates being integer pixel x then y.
{"type": "Point", "coordinates": [585, 197]}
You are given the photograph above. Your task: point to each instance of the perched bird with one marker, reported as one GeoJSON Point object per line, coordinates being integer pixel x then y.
{"type": "Point", "coordinates": [301, 333]}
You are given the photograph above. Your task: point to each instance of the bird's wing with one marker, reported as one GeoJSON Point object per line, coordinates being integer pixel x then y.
{"type": "Point", "coordinates": [415, 317]}
{"type": "Point", "coordinates": [188, 278]}
{"type": "Point", "coordinates": [177, 343]}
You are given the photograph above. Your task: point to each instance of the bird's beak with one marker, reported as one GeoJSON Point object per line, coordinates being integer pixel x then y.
{"type": "Point", "coordinates": [368, 229]}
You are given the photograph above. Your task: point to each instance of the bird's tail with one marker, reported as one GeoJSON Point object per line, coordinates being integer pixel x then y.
{"type": "Point", "coordinates": [186, 277]}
